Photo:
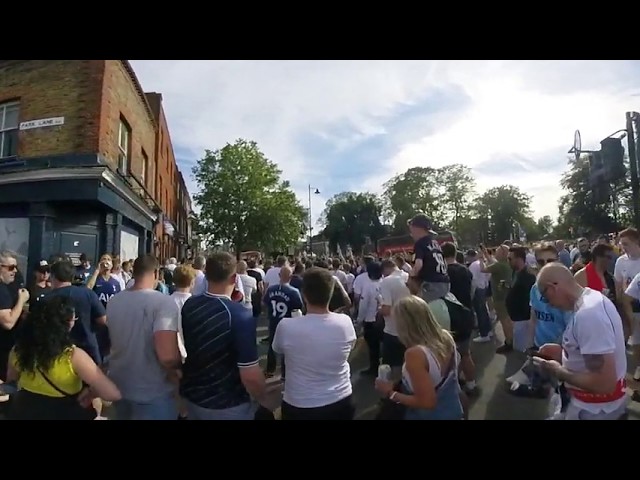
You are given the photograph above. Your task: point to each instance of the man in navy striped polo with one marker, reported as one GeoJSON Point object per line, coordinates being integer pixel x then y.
{"type": "Point", "coordinates": [221, 374]}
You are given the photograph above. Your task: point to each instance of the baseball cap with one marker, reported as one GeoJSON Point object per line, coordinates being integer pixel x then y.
{"type": "Point", "coordinates": [43, 266]}
{"type": "Point", "coordinates": [421, 221]}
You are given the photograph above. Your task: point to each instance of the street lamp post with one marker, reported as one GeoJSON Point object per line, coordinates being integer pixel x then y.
{"type": "Point", "coordinates": [317, 192]}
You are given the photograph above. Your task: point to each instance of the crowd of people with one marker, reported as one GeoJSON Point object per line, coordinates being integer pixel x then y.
{"type": "Point", "coordinates": [180, 341]}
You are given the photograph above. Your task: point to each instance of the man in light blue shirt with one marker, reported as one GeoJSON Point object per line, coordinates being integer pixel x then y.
{"type": "Point", "coordinates": [547, 324]}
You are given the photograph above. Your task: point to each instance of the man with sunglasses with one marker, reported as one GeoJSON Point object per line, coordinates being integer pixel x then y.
{"type": "Point", "coordinates": [10, 308]}
{"type": "Point", "coordinates": [546, 325]}
{"type": "Point", "coordinates": [596, 275]}
{"type": "Point", "coordinates": [592, 359]}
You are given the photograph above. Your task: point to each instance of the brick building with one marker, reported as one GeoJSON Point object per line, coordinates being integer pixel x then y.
{"type": "Point", "coordinates": [170, 189]}
{"type": "Point", "coordinates": [78, 161]}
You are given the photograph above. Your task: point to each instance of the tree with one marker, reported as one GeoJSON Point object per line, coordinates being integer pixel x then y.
{"type": "Point", "coordinates": [244, 202]}
{"type": "Point", "coordinates": [444, 194]}
{"type": "Point", "coordinates": [581, 212]}
{"type": "Point", "coordinates": [501, 207]}
{"type": "Point", "coordinates": [457, 186]}
{"type": "Point", "coordinates": [411, 192]}
{"type": "Point", "coordinates": [544, 226]}
{"type": "Point", "coordinates": [350, 218]}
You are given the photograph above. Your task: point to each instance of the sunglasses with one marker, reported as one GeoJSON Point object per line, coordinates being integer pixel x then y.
{"type": "Point", "coordinates": [10, 268]}
{"type": "Point", "coordinates": [542, 261]}
{"type": "Point", "coordinates": [543, 292]}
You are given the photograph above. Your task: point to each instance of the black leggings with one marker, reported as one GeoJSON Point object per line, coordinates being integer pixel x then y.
{"type": "Point", "coordinates": [341, 410]}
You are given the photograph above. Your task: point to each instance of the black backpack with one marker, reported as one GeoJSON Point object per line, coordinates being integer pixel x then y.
{"type": "Point", "coordinates": [461, 320]}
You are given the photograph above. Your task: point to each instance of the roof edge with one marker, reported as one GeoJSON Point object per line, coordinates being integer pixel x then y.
{"type": "Point", "coordinates": [134, 78]}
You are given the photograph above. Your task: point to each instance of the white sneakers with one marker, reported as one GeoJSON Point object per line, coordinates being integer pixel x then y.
{"type": "Point", "coordinates": [486, 339]}
{"type": "Point", "coordinates": [519, 378]}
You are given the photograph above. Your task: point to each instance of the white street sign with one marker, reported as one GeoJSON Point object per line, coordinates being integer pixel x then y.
{"type": "Point", "coordinates": [43, 122]}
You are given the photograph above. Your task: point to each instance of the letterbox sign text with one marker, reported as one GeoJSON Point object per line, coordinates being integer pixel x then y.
{"type": "Point", "coordinates": [43, 122]}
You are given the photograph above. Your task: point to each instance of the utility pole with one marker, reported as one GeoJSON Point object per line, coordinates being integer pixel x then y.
{"type": "Point", "coordinates": [633, 118]}
{"type": "Point", "coordinates": [310, 227]}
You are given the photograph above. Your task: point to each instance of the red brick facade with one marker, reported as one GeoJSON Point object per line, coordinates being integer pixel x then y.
{"type": "Point", "coordinates": [94, 96]}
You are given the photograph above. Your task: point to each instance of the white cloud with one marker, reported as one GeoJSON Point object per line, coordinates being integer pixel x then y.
{"type": "Point", "coordinates": [517, 108]}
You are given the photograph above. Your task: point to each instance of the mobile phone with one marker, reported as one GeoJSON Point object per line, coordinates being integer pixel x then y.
{"type": "Point", "coordinates": [541, 355]}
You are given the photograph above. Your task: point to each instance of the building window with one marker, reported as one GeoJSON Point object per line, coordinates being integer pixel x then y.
{"type": "Point", "coordinates": [9, 113]}
{"type": "Point", "coordinates": [124, 146]}
{"type": "Point", "coordinates": [143, 170]}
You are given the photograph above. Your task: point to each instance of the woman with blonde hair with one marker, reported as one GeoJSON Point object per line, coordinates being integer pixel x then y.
{"type": "Point", "coordinates": [430, 388]}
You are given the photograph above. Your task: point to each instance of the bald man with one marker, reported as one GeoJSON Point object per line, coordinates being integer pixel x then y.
{"type": "Point", "coordinates": [592, 359]}
{"type": "Point", "coordinates": [281, 300]}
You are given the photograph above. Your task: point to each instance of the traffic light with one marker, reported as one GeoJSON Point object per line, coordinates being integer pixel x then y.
{"type": "Point", "coordinates": [597, 171]}
{"type": "Point", "coordinates": [612, 153]}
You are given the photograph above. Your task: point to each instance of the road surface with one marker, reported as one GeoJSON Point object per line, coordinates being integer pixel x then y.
{"type": "Point", "coordinates": [493, 402]}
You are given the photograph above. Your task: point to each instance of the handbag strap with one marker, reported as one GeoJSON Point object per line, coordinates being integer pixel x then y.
{"type": "Point", "coordinates": [55, 387]}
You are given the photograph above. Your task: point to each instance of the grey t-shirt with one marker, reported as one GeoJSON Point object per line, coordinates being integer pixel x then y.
{"type": "Point", "coordinates": [133, 316]}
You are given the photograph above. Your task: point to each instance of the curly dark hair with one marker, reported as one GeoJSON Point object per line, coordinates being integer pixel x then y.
{"type": "Point", "coordinates": [45, 334]}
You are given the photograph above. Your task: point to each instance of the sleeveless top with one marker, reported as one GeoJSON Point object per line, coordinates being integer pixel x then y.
{"type": "Point", "coordinates": [448, 406]}
{"type": "Point", "coordinates": [61, 373]}
{"type": "Point", "coordinates": [594, 282]}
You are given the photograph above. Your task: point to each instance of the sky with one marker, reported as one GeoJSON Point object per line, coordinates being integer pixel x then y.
{"type": "Point", "coordinates": [351, 125]}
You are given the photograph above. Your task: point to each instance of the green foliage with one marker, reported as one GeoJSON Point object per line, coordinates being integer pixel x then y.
{"type": "Point", "coordinates": [444, 194]}
{"type": "Point", "coordinates": [581, 212]}
{"type": "Point", "coordinates": [502, 207]}
{"type": "Point", "coordinates": [350, 218]}
{"type": "Point", "coordinates": [243, 200]}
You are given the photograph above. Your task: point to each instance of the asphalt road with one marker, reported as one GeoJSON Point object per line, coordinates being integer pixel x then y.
{"type": "Point", "coordinates": [493, 402]}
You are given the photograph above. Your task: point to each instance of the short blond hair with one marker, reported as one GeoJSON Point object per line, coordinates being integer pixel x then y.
{"type": "Point", "coordinates": [183, 276]}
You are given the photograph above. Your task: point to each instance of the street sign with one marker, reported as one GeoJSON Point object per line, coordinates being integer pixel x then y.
{"type": "Point", "coordinates": [41, 123]}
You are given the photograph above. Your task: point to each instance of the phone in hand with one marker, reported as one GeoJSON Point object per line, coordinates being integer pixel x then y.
{"type": "Point", "coordinates": [535, 353]}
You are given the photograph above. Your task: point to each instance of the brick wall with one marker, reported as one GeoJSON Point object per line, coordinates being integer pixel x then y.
{"type": "Point", "coordinates": [167, 182]}
{"type": "Point", "coordinates": [55, 88]}
{"type": "Point", "coordinates": [120, 98]}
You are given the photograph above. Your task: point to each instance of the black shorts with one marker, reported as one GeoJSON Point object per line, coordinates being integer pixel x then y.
{"type": "Point", "coordinates": [392, 351]}
{"type": "Point", "coordinates": [488, 291]}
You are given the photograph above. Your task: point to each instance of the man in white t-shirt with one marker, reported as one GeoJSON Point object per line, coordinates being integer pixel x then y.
{"type": "Point", "coordinates": [249, 285]}
{"type": "Point", "coordinates": [338, 272]}
{"type": "Point", "coordinates": [592, 360]}
{"type": "Point", "coordinates": [272, 277]}
{"type": "Point", "coordinates": [361, 280]}
{"type": "Point", "coordinates": [317, 348]}
{"type": "Point", "coordinates": [393, 288]}
{"type": "Point", "coordinates": [626, 269]}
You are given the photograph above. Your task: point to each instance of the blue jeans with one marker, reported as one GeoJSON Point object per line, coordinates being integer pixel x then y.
{"type": "Point", "coordinates": [162, 408]}
{"type": "Point", "coordinates": [480, 307]}
{"type": "Point", "coordinates": [245, 411]}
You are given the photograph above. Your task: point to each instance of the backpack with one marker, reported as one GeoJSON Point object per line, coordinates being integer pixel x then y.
{"type": "Point", "coordinates": [461, 320]}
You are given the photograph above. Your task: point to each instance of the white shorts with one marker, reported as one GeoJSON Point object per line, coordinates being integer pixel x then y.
{"type": "Point", "coordinates": [634, 339]}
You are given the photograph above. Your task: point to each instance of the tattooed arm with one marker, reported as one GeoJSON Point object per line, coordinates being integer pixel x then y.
{"type": "Point", "coordinates": [600, 376]}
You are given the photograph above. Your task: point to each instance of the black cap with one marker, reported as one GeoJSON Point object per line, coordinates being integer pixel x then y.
{"type": "Point", "coordinates": [421, 221]}
{"type": "Point", "coordinates": [43, 266]}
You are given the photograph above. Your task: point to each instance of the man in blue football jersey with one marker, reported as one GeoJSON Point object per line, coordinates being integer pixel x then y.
{"type": "Point", "coordinates": [281, 300]}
